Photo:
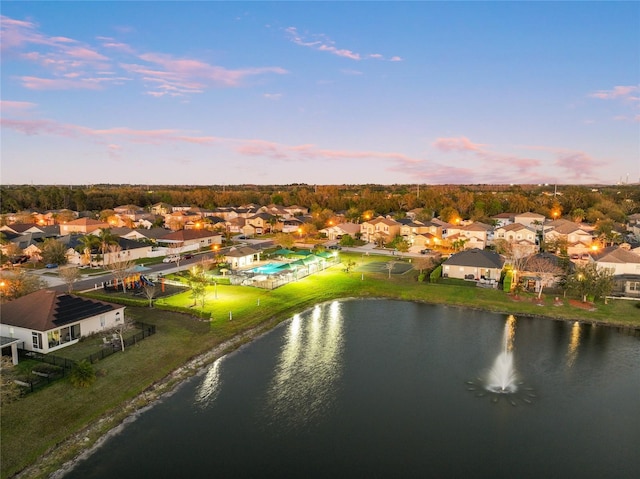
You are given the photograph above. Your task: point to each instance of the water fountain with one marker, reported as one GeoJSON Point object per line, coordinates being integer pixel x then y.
{"type": "Point", "coordinates": [502, 376]}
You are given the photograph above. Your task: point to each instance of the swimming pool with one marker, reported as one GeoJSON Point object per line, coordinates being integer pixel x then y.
{"type": "Point", "coordinates": [269, 268]}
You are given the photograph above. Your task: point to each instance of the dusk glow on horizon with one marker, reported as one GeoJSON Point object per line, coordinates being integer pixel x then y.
{"type": "Point", "coordinates": [203, 93]}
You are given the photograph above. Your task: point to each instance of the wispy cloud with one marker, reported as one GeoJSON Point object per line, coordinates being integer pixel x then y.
{"type": "Point", "coordinates": [627, 93]}
{"type": "Point", "coordinates": [16, 107]}
{"type": "Point", "coordinates": [456, 144]}
{"type": "Point", "coordinates": [322, 43]}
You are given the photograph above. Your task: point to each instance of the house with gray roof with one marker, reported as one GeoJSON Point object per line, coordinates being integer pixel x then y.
{"type": "Point", "coordinates": [474, 264]}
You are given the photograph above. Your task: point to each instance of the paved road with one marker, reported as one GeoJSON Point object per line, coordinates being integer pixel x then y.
{"type": "Point", "coordinates": [94, 282]}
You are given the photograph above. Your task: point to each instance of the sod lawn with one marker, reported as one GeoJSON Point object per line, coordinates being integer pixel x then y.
{"type": "Point", "coordinates": [41, 431]}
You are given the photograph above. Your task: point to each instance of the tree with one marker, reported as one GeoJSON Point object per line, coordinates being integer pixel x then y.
{"type": "Point", "coordinates": [86, 244]}
{"type": "Point", "coordinates": [17, 283]}
{"type": "Point", "coordinates": [53, 251]}
{"type": "Point", "coordinates": [590, 280]}
{"type": "Point", "coordinates": [150, 292]}
{"type": "Point", "coordinates": [389, 266]}
{"type": "Point", "coordinates": [198, 284]}
{"type": "Point", "coordinates": [82, 374]}
{"type": "Point", "coordinates": [402, 245]}
{"type": "Point", "coordinates": [106, 239]}
{"type": "Point", "coordinates": [121, 268]}
{"type": "Point", "coordinates": [284, 240]}
{"type": "Point", "coordinates": [422, 264]}
{"type": "Point", "coordinates": [545, 268]}
{"type": "Point", "coordinates": [69, 276]}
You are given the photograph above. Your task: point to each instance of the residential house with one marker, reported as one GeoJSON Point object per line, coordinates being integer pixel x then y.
{"type": "Point", "coordinates": [161, 209]}
{"type": "Point", "coordinates": [531, 220]}
{"type": "Point", "coordinates": [47, 320]}
{"type": "Point", "coordinates": [177, 219]}
{"type": "Point", "coordinates": [577, 237]}
{"type": "Point", "coordinates": [633, 225]}
{"type": "Point", "coordinates": [261, 222]}
{"type": "Point", "coordinates": [473, 235]}
{"type": "Point", "coordinates": [336, 232]}
{"type": "Point", "coordinates": [474, 264]}
{"type": "Point", "coordinates": [625, 267]}
{"type": "Point", "coordinates": [197, 238]}
{"type": "Point", "coordinates": [380, 229]}
{"type": "Point", "coordinates": [82, 225]}
{"type": "Point", "coordinates": [503, 219]}
{"type": "Point", "coordinates": [149, 235]}
{"type": "Point", "coordinates": [523, 237]}
{"type": "Point", "coordinates": [242, 257]}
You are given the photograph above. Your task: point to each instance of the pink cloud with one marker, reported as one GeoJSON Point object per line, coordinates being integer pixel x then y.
{"type": "Point", "coordinates": [618, 92]}
{"type": "Point", "coordinates": [578, 165]}
{"type": "Point", "coordinates": [35, 83]}
{"type": "Point", "coordinates": [8, 106]}
{"type": "Point", "coordinates": [456, 144]}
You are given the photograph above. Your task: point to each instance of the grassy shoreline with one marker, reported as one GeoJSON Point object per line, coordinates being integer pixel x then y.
{"type": "Point", "coordinates": [41, 432]}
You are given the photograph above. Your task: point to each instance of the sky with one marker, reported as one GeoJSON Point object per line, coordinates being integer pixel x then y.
{"type": "Point", "coordinates": [216, 93]}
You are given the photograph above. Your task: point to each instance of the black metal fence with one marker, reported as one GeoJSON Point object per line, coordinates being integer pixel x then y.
{"type": "Point", "coordinates": [115, 346]}
{"type": "Point", "coordinates": [38, 380]}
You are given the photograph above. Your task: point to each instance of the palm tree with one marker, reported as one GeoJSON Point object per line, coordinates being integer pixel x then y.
{"type": "Point", "coordinates": [106, 238]}
{"type": "Point", "coordinates": [87, 243]}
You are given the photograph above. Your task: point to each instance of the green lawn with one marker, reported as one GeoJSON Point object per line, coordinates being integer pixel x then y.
{"type": "Point", "coordinates": [35, 424]}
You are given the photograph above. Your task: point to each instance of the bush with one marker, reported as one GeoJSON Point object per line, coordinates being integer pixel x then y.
{"type": "Point", "coordinates": [82, 375]}
{"type": "Point", "coordinates": [421, 277]}
{"type": "Point", "coordinates": [435, 274]}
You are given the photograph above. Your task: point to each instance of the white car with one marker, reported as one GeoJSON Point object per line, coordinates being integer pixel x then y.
{"type": "Point", "coordinates": [171, 259]}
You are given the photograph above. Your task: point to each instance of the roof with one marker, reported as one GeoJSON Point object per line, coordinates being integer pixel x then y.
{"type": "Point", "coordinates": [88, 222]}
{"type": "Point", "coordinates": [529, 214]}
{"type": "Point", "coordinates": [186, 235]}
{"type": "Point", "coordinates": [241, 252]}
{"type": "Point", "coordinates": [479, 258]}
{"type": "Point", "coordinates": [47, 309]}
{"type": "Point", "coordinates": [615, 254]}
{"type": "Point", "coordinates": [515, 227]}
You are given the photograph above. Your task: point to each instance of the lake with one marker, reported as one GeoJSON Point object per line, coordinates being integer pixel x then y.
{"type": "Point", "coordinates": [383, 388]}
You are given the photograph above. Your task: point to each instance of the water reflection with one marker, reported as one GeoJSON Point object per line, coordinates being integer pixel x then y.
{"type": "Point", "coordinates": [574, 343]}
{"type": "Point", "coordinates": [309, 366]}
{"type": "Point", "coordinates": [210, 385]}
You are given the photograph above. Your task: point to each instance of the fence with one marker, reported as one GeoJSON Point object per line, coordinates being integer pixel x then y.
{"type": "Point", "coordinates": [115, 346]}
{"type": "Point", "coordinates": [39, 380]}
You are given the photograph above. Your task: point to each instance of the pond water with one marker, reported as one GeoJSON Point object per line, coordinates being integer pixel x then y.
{"type": "Point", "coordinates": [380, 388]}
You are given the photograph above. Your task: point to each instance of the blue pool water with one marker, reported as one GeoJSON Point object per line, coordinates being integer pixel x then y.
{"type": "Point", "coordinates": [269, 268]}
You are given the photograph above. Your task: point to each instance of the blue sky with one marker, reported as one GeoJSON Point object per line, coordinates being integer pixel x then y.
{"type": "Point", "coordinates": [320, 92]}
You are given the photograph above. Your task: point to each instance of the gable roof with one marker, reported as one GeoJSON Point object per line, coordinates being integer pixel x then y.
{"type": "Point", "coordinates": [479, 258]}
{"type": "Point", "coordinates": [615, 254]}
{"type": "Point", "coordinates": [241, 252]}
{"type": "Point", "coordinates": [47, 309]}
{"type": "Point", "coordinates": [185, 235]}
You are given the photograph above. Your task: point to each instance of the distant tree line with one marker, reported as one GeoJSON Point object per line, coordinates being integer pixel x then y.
{"type": "Point", "coordinates": [476, 202]}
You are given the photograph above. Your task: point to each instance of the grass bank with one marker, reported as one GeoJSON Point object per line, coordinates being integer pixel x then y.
{"type": "Point", "coordinates": [45, 429]}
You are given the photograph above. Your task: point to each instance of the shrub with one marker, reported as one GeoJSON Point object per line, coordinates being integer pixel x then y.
{"type": "Point", "coordinates": [435, 274]}
{"type": "Point", "coordinates": [421, 277]}
{"type": "Point", "coordinates": [45, 368]}
{"type": "Point", "coordinates": [82, 375]}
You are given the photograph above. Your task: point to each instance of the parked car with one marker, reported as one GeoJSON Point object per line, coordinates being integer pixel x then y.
{"type": "Point", "coordinates": [335, 246]}
{"type": "Point", "coordinates": [425, 251]}
{"type": "Point", "coordinates": [51, 266]}
{"type": "Point", "coordinates": [188, 256]}
{"type": "Point", "coordinates": [171, 258]}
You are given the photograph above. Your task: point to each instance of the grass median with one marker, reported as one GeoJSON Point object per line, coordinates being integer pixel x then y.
{"type": "Point", "coordinates": [44, 429]}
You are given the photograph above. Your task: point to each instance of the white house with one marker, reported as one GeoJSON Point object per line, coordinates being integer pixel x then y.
{"type": "Point", "coordinates": [242, 257]}
{"type": "Point", "coordinates": [338, 231]}
{"type": "Point", "coordinates": [47, 320]}
{"type": "Point", "coordinates": [529, 219]}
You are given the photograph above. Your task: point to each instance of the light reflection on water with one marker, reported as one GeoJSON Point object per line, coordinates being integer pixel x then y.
{"type": "Point", "coordinates": [309, 366]}
{"type": "Point", "coordinates": [574, 342]}
{"type": "Point", "coordinates": [210, 386]}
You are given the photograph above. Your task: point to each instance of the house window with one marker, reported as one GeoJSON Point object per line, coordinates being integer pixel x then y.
{"type": "Point", "coordinates": [634, 286]}
{"type": "Point", "coordinates": [118, 318]}
{"type": "Point", "coordinates": [36, 339]}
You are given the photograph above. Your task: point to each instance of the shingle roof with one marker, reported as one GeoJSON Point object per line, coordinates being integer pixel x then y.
{"type": "Point", "coordinates": [47, 309]}
{"type": "Point", "coordinates": [615, 254]}
{"type": "Point", "coordinates": [476, 257]}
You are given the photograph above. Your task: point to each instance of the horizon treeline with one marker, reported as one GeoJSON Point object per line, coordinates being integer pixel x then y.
{"type": "Point", "coordinates": [475, 202]}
